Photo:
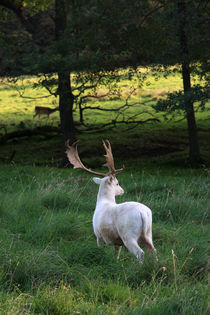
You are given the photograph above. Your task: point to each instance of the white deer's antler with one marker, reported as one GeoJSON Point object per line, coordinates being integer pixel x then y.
{"type": "Point", "coordinates": [74, 159]}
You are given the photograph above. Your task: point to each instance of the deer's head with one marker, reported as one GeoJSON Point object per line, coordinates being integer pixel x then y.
{"type": "Point", "coordinates": [109, 184]}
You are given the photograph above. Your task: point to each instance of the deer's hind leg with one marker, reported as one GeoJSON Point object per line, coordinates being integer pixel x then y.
{"type": "Point", "coordinates": [135, 249]}
{"type": "Point", "coordinates": [147, 240]}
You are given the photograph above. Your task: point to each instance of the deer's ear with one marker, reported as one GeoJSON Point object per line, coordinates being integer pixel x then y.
{"type": "Point", "coordinates": [97, 180]}
{"type": "Point", "coordinates": [111, 178]}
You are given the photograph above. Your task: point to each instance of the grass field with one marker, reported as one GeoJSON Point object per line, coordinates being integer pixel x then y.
{"type": "Point", "coordinates": [49, 259]}
{"type": "Point", "coordinates": [50, 263]}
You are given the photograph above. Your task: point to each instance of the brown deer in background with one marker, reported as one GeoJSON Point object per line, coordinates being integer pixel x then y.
{"type": "Point", "coordinates": [41, 110]}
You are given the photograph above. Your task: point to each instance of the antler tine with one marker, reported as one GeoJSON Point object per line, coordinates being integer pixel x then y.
{"type": "Point", "coordinates": [74, 159]}
{"type": "Point", "coordinates": [109, 157]}
{"type": "Point", "coordinates": [110, 160]}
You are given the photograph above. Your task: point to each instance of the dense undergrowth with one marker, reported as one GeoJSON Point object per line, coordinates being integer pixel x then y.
{"type": "Point", "coordinates": [49, 260]}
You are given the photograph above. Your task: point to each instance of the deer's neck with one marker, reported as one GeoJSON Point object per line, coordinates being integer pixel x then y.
{"type": "Point", "coordinates": [105, 196]}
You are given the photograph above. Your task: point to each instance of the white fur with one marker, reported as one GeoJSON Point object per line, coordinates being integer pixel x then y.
{"type": "Point", "coordinates": [121, 224]}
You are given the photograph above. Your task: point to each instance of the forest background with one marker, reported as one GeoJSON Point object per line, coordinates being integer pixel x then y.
{"type": "Point", "coordinates": [137, 74]}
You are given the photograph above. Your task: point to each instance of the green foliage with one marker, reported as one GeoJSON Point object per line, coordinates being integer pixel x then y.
{"type": "Point", "coordinates": [36, 6]}
{"type": "Point", "coordinates": [176, 102]}
{"type": "Point", "coordinates": [136, 35]}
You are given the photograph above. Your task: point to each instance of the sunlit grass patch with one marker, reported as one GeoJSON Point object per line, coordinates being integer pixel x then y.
{"type": "Point", "coordinates": [166, 139]}
{"type": "Point", "coordinates": [19, 99]}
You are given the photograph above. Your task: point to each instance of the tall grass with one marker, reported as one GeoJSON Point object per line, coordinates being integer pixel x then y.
{"type": "Point", "coordinates": [50, 263]}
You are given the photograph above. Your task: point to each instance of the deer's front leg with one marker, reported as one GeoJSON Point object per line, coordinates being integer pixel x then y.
{"type": "Point", "coordinates": [118, 250]}
{"type": "Point", "coordinates": [100, 241]}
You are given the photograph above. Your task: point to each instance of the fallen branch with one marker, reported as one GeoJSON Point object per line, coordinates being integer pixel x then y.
{"type": "Point", "coordinates": [29, 132]}
{"type": "Point", "coordinates": [113, 123]}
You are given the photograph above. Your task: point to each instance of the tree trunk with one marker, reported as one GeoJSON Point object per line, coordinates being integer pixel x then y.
{"type": "Point", "coordinates": [194, 152]}
{"type": "Point", "coordinates": [81, 119]}
{"type": "Point", "coordinates": [66, 101]}
{"type": "Point", "coordinates": [66, 98]}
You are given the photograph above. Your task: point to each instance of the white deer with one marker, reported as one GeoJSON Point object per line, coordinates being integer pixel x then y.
{"type": "Point", "coordinates": [127, 223]}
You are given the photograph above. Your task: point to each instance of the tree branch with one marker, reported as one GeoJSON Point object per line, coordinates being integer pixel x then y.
{"type": "Point", "coordinates": [127, 122]}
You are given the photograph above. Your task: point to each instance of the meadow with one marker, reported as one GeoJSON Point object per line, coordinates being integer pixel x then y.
{"type": "Point", "coordinates": [49, 259]}
{"type": "Point", "coordinates": [166, 139]}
